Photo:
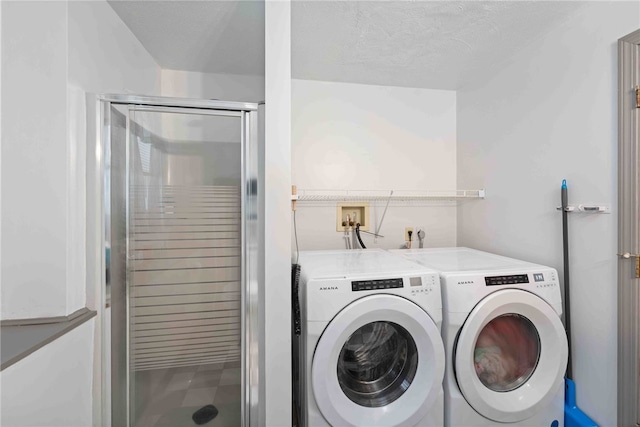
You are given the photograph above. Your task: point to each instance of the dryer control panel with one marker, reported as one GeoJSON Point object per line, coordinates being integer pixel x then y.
{"type": "Point", "coordinates": [462, 290]}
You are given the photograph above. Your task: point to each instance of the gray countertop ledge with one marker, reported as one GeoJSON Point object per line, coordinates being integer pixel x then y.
{"type": "Point", "coordinates": [19, 339]}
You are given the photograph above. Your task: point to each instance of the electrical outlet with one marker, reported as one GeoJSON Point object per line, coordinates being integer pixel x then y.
{"type": "Point", "coordinates": [406, 234]}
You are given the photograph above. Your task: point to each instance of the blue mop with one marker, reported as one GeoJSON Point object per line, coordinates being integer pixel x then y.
{"type": "Point", "coordinates": [573, 416]}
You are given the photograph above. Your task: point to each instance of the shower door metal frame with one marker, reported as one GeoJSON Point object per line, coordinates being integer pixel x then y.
{"type": "Point", "coordinates": [119, 345]}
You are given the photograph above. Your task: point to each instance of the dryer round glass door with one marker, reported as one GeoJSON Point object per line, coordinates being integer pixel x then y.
{"type": "Point", "coordinates": [506, 352]}
{"type": "Point", "coordinates": [511, 355]}
{"type": "Point", "coordinates": [380, 361]}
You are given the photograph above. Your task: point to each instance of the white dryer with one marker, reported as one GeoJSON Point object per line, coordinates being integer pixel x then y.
{"type": "Point", "coordinates": [505, 343]}
{"type": "Point", "coordinates": [371, 352]}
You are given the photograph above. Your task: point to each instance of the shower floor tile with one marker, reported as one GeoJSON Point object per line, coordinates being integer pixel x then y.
{"type": "Point", "coordinates": [230, 376]}
{"type": "Point", "coordinates": [199, 397]}
{"type": "Point", "coordinates": [181, 381]}
{"type": "Point", "coordinates": [170, 397]}
{"type": "Point", "coordinates": [204, 379]}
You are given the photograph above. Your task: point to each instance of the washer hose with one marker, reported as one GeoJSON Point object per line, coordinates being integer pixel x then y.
{"type": "Point", "coordinates": [358, 236]}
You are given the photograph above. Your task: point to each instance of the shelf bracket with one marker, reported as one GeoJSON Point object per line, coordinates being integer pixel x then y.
{"type": "Point", "coordinates": [294, 197]}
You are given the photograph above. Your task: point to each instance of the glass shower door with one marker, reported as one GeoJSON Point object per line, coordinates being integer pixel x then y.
{"type": "Point", "coordinates": [183, 297]}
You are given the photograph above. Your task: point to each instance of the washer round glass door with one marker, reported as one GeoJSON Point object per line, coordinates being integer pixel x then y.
{"type": "Point", "coordinates": [377, 364]}
{"type": "Point", "coordinates": [380, 361]}
{"type": "Point", "coordinates": [511, 355]}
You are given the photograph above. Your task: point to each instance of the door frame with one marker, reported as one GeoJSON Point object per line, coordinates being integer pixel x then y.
{"type": "Point", "coordinates": [99, 107]}
{"type": "Point", "coordinates": [628, 230]}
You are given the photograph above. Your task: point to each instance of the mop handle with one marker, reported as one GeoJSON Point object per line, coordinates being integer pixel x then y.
{"type": "Point", "coordinates": [565, 254]}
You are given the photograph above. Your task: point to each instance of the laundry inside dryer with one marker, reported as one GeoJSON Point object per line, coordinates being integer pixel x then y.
{"type": "Point", "coordinates": [507, 352]}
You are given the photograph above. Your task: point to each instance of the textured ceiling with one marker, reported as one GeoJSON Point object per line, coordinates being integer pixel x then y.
{"type": "Point", "coordinates": [206, 36]}
{"type": "Point", "coordinates": [430, 44]}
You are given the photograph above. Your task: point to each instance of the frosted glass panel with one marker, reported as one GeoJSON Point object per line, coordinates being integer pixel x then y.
{"type": "Point", "coordinates": [184, 268]}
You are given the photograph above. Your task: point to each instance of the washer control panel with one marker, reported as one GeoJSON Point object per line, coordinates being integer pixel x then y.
{"type": "Point", "coordinates": [424, 287]}
{"type": "Point", "coordinates": [426, 290]}
{"type": "Point", "coordinates": [512, 279]}
{"type": "Point", "coordinates": [372, 285]}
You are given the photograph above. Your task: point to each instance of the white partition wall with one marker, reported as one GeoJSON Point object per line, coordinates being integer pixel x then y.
{"type": "Point", "coordinates": [277, 280]}
{"type": "Point", "coordinates": [55, 379]}
{"type": "Point", "coordinates": [34, 153]}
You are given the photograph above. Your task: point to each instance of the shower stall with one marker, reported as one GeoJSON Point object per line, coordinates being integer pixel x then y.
{"type": "Point", "coordinates": [180, 239]}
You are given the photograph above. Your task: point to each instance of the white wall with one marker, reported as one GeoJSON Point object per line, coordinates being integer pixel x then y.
{"type": "Point", "coordinates": [549, 114]}
{"type": "Point", "coordinates": [353, 136]}
{"type": "Point", "coordinates": [277, 224]}
{"type": "Point", "coordinates": [105, 56]}
{"type": "Point", "coordinates": [223, 87]}
{"type": "Point", "coordinates": [52, 53]}
{"type": "Point", "coordinates": [0, 155]}
{"type": "Point", "coordinates": [34, 159]}
{"type": "Point", "coordinates": [52, 386]}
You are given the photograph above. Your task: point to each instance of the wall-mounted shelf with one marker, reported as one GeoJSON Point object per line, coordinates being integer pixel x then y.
{"type": "Point", "coordinates": [383, 195]}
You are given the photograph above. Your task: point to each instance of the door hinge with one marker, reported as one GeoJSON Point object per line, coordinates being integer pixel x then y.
{"type": "Point", "coordinates": [637, 96]}
{"type": "Point", "coordinates": [628, 255]}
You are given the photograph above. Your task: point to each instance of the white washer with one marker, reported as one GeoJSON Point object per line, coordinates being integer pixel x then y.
{"type": "Point", "coordinates": [505, 343]}
{"type": "Point", "coordinates": [371, 352]}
